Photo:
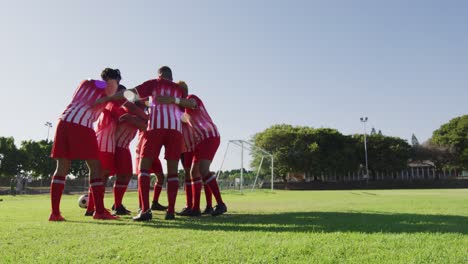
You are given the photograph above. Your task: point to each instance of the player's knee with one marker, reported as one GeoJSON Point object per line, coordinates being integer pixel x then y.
{"type": "Point", "coordinates": [159, 178]}
{"type": "Point", "coordinates": [94, 167]}
{"type": "Point", "coordinates": [204, 170]}
{"type": "Point", "coordinates": [145, 163]}
{"type": "Point", "coordinates": [63, 167]}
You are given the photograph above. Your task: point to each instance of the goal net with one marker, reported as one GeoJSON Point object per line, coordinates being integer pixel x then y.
{"type": "Point", "coordinates": [261, 176]}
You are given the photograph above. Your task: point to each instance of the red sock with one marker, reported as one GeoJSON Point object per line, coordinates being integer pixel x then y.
{"type": "Point", "coordinates": [188, 193]}
{"type": "Point", "coordinates": [172, 188]}
{"type": "Point", "coordinates": [90, 200]}
{"type": "Point", "coordinates": [157, 191]}
{"type": "Point", "coordinates": [98, 188]}
{"type": "Point", "coordinates": [196, 190]}
{"type": "Point", "coordinates": [56, 189]}
{"type": "Point", "coordinates": [210, 181]}
{"type": "Point", "coordinates": [208, 195]}
{"type": "Point", "coordinates": [144, 187]}
{"type": "Point", "coordinates": [119, 190]}
{"type": "Point", "coordinates": [139, 198]}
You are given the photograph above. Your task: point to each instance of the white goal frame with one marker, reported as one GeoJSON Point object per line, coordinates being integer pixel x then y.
{"type": "Point", "coordinates": [251, 147]}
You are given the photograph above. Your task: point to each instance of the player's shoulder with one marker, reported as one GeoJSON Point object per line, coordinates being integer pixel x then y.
{"type": "Point", "coordinates": [192, 96]}
{"type": "Point", "coordinates": [93, 83]}
{"type": "Point", "coordinates": [167, 83]}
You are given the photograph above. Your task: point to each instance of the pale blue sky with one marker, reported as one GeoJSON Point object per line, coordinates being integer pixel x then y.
{"type": "Point", "coordinates": [254, 63]}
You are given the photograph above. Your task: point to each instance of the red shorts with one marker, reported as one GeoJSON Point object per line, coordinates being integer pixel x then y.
{"type": "Point", "coordinates": [187, 160]}
{"type": "Point", "coordinates": [74, 142]}
{"type": "Point", "coordinates": [154, 140]}
{"type": "Point", "coordinates": [123, 161]}
{"type": "Point", "coordinates": [156, 167]}
{"type": "Point", "coordinates": [206, 150]}
{"type": "Point", "coordinates": [107, 162]}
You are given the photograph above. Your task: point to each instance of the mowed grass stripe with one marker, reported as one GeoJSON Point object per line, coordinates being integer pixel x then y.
{"type": "Point", "coordinates": [369, 226]}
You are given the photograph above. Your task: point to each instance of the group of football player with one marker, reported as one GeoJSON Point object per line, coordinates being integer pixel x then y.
{"type": "Point", "coordinates": [99, 125]}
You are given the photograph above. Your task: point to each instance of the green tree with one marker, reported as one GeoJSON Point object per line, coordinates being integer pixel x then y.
{"type": "Point", "coordinates": [454, 136]}
{"type": "Point", "coordinates": [37, 161]}
{"type": "Point", "coordinates": [305, 149]}
{"type": "Point", "coordinates": [79, 168]}
{"type": "Point", "coordinates": [384, 153]}
{"type": "Point", "coordinates": [441, 156]}
{"type": "Point", "coordinates": [11, 163]}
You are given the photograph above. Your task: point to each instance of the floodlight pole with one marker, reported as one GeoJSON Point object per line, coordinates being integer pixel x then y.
{"type": "Point", "coordinates": [49, 126]}
{"type": "Point", "coordinates": [364, 120]}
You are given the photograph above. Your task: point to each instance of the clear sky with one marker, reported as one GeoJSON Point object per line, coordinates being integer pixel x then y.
{"type": "Point", "coordinates": [404, 64]}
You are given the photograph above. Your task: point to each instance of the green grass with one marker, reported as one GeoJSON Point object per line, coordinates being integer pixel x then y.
{"type": "Point", "coordinates": [391, 226]}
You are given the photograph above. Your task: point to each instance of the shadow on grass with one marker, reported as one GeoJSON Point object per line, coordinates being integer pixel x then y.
{"type": "Point", "coordinates": [312, 222]}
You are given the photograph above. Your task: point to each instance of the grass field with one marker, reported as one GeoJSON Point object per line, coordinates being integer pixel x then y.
{"type": "Point", "coordinates": [392, 226]}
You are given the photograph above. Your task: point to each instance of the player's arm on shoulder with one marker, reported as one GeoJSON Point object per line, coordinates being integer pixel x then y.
{"type": "Point", "coordinates": [145, 89]}
{"type": "Point", "coordinates": [133, 109]}
{"type": "Point", "coordinates": [135, 121]}
{"type": "Point", "coordinates": [187, 103]}
{"type": "Point", "coordinates": [116, 97]}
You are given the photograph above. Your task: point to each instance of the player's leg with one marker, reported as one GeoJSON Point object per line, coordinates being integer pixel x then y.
{"type": "Point", "coordinates": [106, 160]}
{"type": "Point", "coordinates": [186, 160]}
{"type": "Point", "coordinates": [144, 181]}
{"type": "Point", "coordinates": [123, 167]}
{"type": "Point", "coordinates": [61, 153]}
{"type": "Point", "coordinates": [98, 189]}
{"type": "Point", "coordinates": [212, 184]}
{"type": "Point", "coordinates": [158, 171]}
{"type": "Point", "coordinates": [172, 187]}
{"type": "Point", "coordinates": [173, 143]}
{"type": "Point", "coordinates": [196, 188]}
{"type": "Point", "coordinates": [150, 147]}
{"type": "Point", "coordinates": [137, 172]}
{"type": "Point", "coordinates": [205, 155]}
{"type": "Point", "coordinates": [119, 189]}
{"type": "Point", "coordinates": [209, 200]}
{"type": "Point", "coordinates": [56, 188]}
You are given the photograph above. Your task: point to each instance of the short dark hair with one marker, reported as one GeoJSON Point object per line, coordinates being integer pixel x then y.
{"type": "Point", "coordinates": [108, 74]}
{"type": "Point", "coordinates": [165, 72]}
{"type": "Point", "coordinates": [121, 88]}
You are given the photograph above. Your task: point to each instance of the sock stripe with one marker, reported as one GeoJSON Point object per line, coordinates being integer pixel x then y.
{"type": "Point", "coordinates": [172, 179]}
{"type": "Point", "coordinates": [96, 184]}
{"type": "Point", "coordinates": [144, 174]}
{"type": "Point", "coordinates": [213, 176]}
{"type": "Point", "coordinates": [58, 181]}
{"type": "Point", "coordinates": [195, 182]}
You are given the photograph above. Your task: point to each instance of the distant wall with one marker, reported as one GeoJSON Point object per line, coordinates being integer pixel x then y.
{"type": "Point", "coordinates": [391, 184]}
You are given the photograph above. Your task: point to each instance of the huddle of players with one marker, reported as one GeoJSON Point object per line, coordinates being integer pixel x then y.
{"type": "Point", "coordinates": [176, 120]}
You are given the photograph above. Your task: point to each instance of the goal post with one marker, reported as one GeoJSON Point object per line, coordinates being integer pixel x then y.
{"type": "Point", "coordinates": [246, 145]}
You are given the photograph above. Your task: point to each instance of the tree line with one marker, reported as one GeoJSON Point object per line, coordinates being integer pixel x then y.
{"type": "Point", "coordinates": [324, 150]}
{"type": "Point", "coordinates": [32, 158]}
{"type": "Point", "coordinates": [295, 149]}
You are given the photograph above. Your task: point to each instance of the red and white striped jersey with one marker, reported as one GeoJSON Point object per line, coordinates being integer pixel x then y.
{"type": "Point", "coordinates": [79, 111]}
{"type": "Point", "coordinates": [200, 120]}
{"type": "Point", "coordinates": [191, 139]}
{"type": "Point", "coordinates": [162, 116]}
{"type": "Point", "coordinates": [107, 127]}
{"type": "Point", "coordinates": [125, 133]}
